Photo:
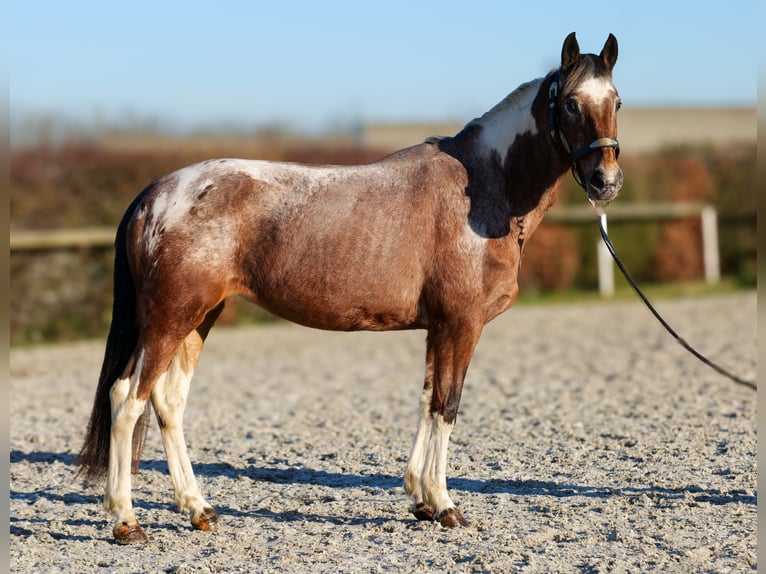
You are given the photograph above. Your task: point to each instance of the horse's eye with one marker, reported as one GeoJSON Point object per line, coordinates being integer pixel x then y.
{"type": "Point", "coordinates": [572, 106]}
{"type": "Point", "coordinates": [618, 105]}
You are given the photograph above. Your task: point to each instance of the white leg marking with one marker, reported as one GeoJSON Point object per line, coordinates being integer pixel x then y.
{"type": "Point", "coordinates": [169, 400]}
{"type": "Point", "coordinates": [434, 479]}
{"type": "Point", "coordinates": [126, 409]}
{"type": "Point", "coordinates": [417, 457]}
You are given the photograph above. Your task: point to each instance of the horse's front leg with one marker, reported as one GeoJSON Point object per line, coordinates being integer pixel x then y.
{"type": "Point", "coordinates": [412, 479]}
{"type": "Point", "coordinates": [169, 400]}
{"type": "Point", "coordinates": [126, 409]}
{"type": "Point", "coordinates": [449, 353]}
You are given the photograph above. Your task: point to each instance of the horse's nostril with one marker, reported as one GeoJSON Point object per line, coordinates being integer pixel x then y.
{"type": "Point", "coordinates": [597, 179]}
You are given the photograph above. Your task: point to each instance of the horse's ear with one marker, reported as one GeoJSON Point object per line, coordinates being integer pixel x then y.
{"type": "Point", "coordinates": [570, 52]}
{"type": "Point", "coordinates": [609, 52]}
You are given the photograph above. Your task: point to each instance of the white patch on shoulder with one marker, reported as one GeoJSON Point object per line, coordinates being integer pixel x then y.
{"type": "Point", "coordinates": [597, 89]}
{"type": "Point", "coordinates": [509, 119]}
{"type": "Point", "coordinates": [471, 244]}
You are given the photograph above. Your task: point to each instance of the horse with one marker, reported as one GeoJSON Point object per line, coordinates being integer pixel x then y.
{"type": "Point", "coordinates": [429, 237]}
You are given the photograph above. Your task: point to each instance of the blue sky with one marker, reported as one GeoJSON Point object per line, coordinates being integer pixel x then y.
{"type": "Point", "coordinates": [315, 65]}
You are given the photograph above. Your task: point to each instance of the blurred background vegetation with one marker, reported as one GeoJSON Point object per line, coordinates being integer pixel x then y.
{"type": "Point", "coordinates": [65, 294]}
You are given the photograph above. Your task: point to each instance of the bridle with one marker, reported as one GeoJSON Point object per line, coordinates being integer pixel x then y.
{"type": "Point", "coordinates": [555, 127]}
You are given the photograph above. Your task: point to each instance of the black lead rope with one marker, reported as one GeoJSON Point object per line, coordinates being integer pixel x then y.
{"type": "Point", "coordinates": [684, 344]}
{"type": "Point", "coordinates": [603, 142]}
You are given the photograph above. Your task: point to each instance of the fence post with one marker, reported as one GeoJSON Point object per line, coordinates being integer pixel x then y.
{"type": "Point", "coordinates": [605, 266]}
{"type": "Point", "coordinates": [710, 245]}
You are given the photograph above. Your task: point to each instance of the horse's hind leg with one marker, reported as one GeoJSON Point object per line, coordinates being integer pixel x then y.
{"type": "Point", "coordinates": [127, 405]}
{"type": "Point", "coordinates": [158, 356]}
{"type": "Point", "coordinates": [169, 401]}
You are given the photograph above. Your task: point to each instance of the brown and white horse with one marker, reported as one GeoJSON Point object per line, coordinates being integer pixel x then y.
{"type": "Point", "coordinates": [430, 237]}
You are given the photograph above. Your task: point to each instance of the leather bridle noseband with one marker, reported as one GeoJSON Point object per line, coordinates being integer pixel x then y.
{"type": "Point", "coordinates": [555, 127]}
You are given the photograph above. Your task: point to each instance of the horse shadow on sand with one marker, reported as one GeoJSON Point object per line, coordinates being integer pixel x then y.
{"type": "Point", "coordinates": [303, 475]}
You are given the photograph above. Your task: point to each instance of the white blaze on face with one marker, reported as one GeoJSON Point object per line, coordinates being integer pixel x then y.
{"type": "Point", "coordinates": [598, 90]}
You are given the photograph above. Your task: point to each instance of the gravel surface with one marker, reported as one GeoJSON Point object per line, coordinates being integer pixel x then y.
{"type": "Point", "coordinates": [588, 441]}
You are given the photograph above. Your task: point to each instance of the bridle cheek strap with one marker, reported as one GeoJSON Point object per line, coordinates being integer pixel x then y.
{"type": "Point", "coordinates": [555, 126]}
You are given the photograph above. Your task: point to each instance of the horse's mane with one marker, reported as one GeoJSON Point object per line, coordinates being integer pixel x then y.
{"type": "Point", "coordinates": [517, 98]}
{"type": "Point", "coordinates": [588, 65]}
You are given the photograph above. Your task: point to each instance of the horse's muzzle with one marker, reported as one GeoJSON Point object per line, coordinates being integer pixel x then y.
{"type": "Point", "coordinates": [603, 184]}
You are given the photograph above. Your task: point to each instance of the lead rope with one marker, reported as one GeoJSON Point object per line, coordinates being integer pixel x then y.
{"type": "Point", "coordinates": [684, 344]}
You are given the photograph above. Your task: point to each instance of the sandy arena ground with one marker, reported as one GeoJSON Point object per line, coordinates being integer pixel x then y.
{"type": "Point", "coordinates": [588, 441]}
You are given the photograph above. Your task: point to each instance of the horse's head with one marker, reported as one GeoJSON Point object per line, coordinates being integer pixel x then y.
{"type": "Point", "coordinates": [583, 105]}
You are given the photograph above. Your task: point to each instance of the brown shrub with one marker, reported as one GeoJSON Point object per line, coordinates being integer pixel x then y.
{"type": "Point", "coordinates": [551, 259]}
{"type": "Point", "coordinates": [678, 254]}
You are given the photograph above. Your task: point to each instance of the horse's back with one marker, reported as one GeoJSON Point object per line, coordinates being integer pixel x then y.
{"type": "Point", "coordinates": [241, 188]}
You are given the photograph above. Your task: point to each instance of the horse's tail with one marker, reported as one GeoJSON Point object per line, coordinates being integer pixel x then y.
{"type": "Point", "coordinates": [120, 347]}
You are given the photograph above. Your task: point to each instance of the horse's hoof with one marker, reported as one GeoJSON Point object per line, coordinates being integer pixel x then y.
{"type": "Point", "coordinates": [206, 521]}
{"type": "Point", "coordinates": [423, 512]}
{"type": "Point", "coordinates": [125, 533]}
{"type": "Point", "coordinates": [452, 518]}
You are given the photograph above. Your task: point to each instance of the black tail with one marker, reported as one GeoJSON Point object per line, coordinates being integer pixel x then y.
{"type": "Point", "coordinates": [120, 346]}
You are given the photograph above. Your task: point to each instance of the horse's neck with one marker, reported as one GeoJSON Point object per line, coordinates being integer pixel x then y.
{"type": "Point", "coordinates": [512, 164]}
{"type": "Point", "coordinates": [500, 127]}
